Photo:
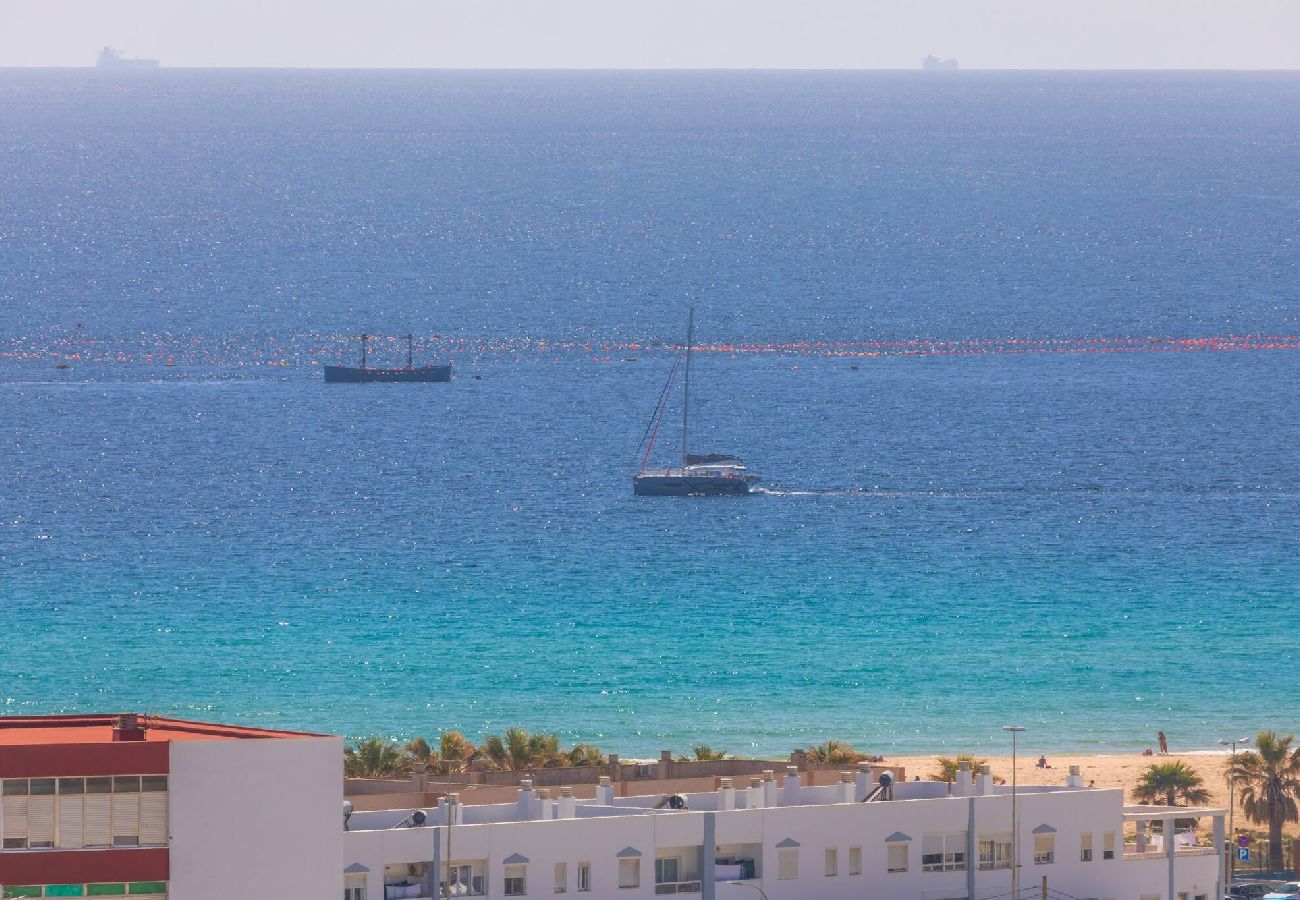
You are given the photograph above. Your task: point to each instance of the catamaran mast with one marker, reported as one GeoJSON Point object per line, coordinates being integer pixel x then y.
{"type": "Point", "coordinates": [410, 352]}
{"type": "Point", "coordinates": [686, 389]}
{"type": "Point", "coordinates": [364, 339]}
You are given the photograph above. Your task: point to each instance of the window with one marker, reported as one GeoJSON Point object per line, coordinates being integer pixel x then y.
{"type": "Point", "coordinates": [1085, 847]}
{"type": "Point", "coordinates": [1108, 845]}
{"type": "Point", "coordinates": [832, 861]}
{"type": "Point", "coordinates": [666, 870]}
{"type": "Point", "coordinates": [1044, 849]}
{"type": "Point", "coordinates": [355, 892]}
{"type": "Point", "coordinates": [1184, 895]}
{"type": "Point", "coordinates": [629, 873]}
{"type": "Point", "coordinates": [897, 858]}
{"type": "Point", "coordinates": [72, 813]}
{"type": "Point", "coordinates": [584, 876]}
{"type": "Point", "coordinates": [561, 877]}
{"type": "Point", "coordinates": [995, 852]}
{"type": "Point", "coordinates": [466, 880]}
{"type": "Point", "coordinates": [515, 883]}
{"type": "Point", "coordinates": [855, 860]}
{"type": "Point", "coordinates": [943, 852]}
{"type": "Point", "coordinates": [787, 863]}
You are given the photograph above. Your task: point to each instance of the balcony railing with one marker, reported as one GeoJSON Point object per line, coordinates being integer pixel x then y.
{"type": "Point", "coordinates": [677, 887]}
{"type": "Point", "coordinates": [1131, 852]}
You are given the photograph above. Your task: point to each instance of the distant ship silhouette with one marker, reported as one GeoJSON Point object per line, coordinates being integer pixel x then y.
{"type": "Point", "coordinates": [933, 63]}
{"type": "Point", "coordinates": [113, 59]}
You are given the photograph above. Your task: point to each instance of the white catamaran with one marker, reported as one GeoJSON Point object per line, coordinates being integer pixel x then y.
{"type": "Point", "coordinates": [708, 474]}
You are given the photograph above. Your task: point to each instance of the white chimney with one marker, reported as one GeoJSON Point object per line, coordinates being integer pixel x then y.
{"type": "Point", "coordinates": [755, 792]}
{"type": "Point", "coordinates": [965, 783]}
{"type": "Point", "coordinates": [455, 812]}
{"type": "Point", "coordinates": [546, 809]}
{"type": "Point", "coordinates": [726, 794]}
{"type": "Point", "coordinates": [790, 789]}
{"type": "Point", "coordinates": [605, 792]}
{"type": "Point", "coordinates": [564, 807]}
{"type": "Point", "coordinates": [984, 782]}
{"type": "Point", "coordinates": [864, 784]}
{"type": "Point", "coordinates": [524, 803]}
{"type": "Point", "coordinates": [1075, 778]}
{"type": "Point", "coordinates": [847, 787]}
{"type": "Point", "coordinates": [769, 788]}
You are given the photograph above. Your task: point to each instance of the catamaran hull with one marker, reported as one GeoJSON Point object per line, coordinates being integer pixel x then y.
{"type": "Point", "coordinates": [688, 486]}
{"type": "Point", "coordinates": [348, 375]}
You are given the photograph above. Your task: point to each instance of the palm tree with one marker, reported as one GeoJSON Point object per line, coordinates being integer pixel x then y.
{"type": "Point", "coordinates": [703, 752]}
{"type": "Point", "coordinates": [1269, 777]}
{"type": "Point", "coordinates": [1169, 782]}
{"type": "Point", "coordinates": [835, 753]}
{"type": "Point", "coordinates": [585, 755]}
{"type": "Point", "coordinates": [374, 757]}
{"type": "Point", "coordinates": [420, 753]}
{"type": "Point", "coordinates": [948, 766]}
{"type": "Point", "coordinates": [517, 749]}
{"type": "Point", "coordinates": [455, 749]}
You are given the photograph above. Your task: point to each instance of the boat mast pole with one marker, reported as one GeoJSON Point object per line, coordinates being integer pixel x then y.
{"type": "Point", "coordinates": [364, 338]}
{"type": "Point", "coordinates": [410, 352]}
{"type": "Point", "coordinates": [686, 389]}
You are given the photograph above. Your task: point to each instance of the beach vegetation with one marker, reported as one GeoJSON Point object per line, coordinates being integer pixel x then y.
{"type": "Point", "coordinates": [705, 753]}
{"type": "Point", "coordinates": [835, 753]}
{"type": "Point", "coordinates": [455, 751]}
{"type": "Point", "coordinates": [375, 757]}
{"type": "Point", "coordinates": [1269, 780]}
{"type": "Point", "coordinates": [949, 765]}
{"type": "Point", "coordinates": [518, 748]}
{"type": "Point", "coordinates": [1170, 782]}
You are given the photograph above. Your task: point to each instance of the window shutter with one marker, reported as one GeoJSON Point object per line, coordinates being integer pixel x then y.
{"type": "Point", "coordinates": [40, 821]}
{"type": "Point", "coordinates": [126, 818]}
{"type": "Point", "coordinates": [15, 813]}
{"type": "Point", "coordinates": [70, 822]}
{"type": "Point", "coordinates": [98, 820]}
{"type": "Point", "coordinates": [153, 818]}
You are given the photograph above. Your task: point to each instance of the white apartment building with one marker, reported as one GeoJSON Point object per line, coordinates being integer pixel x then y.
{"type": "Point", "coordinates": [779, 839]}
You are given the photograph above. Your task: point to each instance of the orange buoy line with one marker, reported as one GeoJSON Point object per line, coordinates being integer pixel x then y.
{"type": "Point", "coordinates": [309, 350]}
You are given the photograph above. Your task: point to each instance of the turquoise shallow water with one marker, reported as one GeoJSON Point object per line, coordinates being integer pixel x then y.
{"type": "Point", "coordinates": [1098, 545]}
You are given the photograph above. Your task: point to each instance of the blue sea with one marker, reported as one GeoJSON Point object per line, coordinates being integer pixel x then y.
{"type": "Point", "coordinates": [1016, 355]}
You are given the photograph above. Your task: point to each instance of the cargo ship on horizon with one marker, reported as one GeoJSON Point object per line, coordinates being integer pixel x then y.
{"type": "Point", "coordinates": [113, 59]}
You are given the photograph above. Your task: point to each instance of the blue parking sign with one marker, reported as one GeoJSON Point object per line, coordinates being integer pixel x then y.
{"type": "Point", "coordinates": [1243, 854]}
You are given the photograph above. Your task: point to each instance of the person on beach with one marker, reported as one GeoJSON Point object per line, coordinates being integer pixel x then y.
{"type": "Point", "coordinates": [1042, 763]}
{"type": "Point", "coordinates": [1164, 744]}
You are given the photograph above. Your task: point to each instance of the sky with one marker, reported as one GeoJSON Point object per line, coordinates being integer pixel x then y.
{"type": "Point", "coordinates": [836, 34]}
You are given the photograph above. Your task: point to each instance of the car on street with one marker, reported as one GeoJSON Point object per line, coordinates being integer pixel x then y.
{"type": "Point", "coordinates": [1288, 891]}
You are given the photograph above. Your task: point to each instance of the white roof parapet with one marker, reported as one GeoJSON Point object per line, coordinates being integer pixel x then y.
{"type": "Point", "coordinates": [1148, 813]}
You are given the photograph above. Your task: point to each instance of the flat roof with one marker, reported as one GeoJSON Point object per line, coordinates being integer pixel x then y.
{"type": "Point", "coordinates": [98, 729]}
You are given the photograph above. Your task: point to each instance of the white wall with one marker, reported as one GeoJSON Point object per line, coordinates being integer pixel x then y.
{"type": "Point", "coordinates": [816, 828]}
{"type": "Point", "coordinates": [257, 818]}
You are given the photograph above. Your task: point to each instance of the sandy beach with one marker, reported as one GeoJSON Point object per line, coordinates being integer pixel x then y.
{"type": "Point", "coordinates": [1108, 770]}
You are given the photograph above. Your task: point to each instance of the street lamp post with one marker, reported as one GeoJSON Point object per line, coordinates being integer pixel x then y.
{"type": "Point", "coordinates": [1232, 783]}
{"type": "Point", "coordinates": [1014, 730]}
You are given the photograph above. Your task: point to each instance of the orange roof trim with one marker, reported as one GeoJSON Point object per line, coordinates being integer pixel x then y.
{"type": "Point", "coordinates": [98, 729]}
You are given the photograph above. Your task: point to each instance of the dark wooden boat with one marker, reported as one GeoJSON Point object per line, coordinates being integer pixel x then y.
{"type": "Point", "coordinates": [367, 374]}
